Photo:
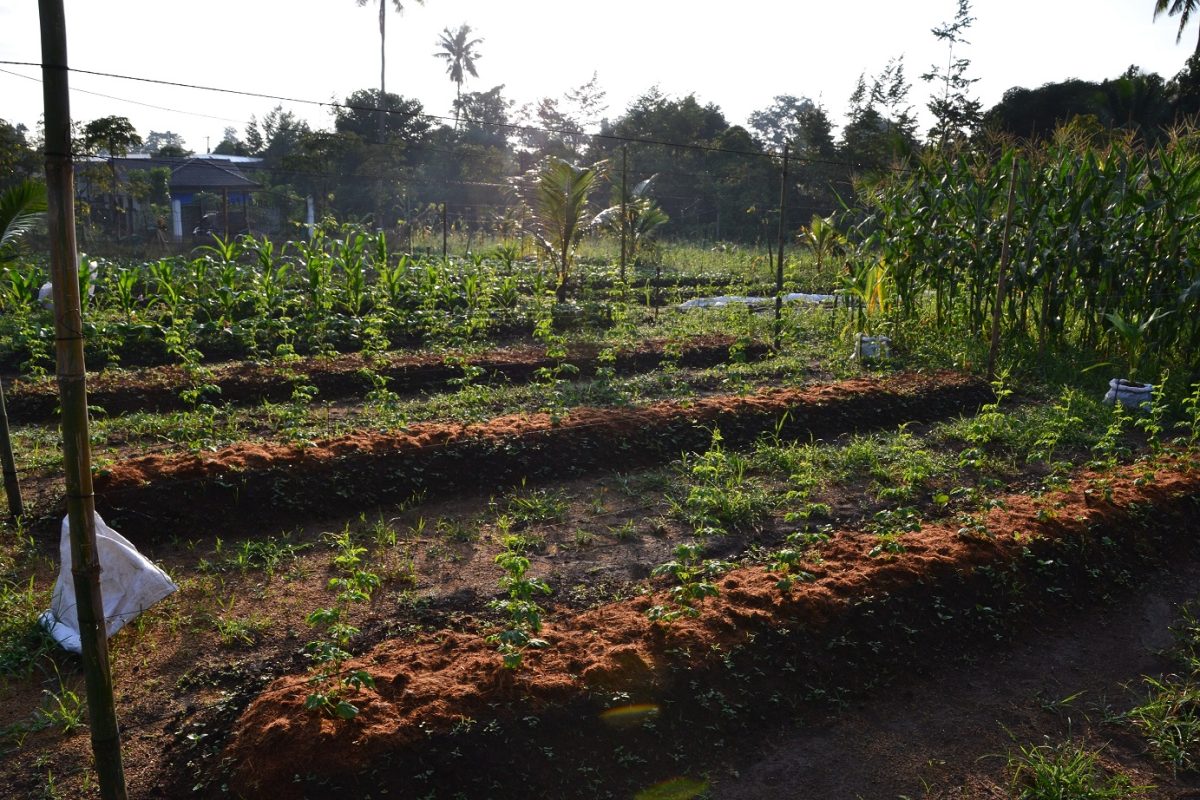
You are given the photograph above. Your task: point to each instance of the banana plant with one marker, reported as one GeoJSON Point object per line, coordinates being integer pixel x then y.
{"type": "Point", "coordinates": [643, 217]}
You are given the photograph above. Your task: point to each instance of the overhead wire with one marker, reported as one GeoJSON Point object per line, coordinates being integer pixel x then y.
{"type": "Point", "coordinates": [332, 104]}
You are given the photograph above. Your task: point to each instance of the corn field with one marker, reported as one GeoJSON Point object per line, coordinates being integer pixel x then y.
{"type": "Point", "coordinates": [1103, 253]}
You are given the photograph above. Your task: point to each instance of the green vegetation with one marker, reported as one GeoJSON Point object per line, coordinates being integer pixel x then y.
{"type": "Point", "coordinates": [1066, 772]}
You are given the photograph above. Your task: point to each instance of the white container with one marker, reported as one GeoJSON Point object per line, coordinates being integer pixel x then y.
{"type": "Point", "coordinates": [1131, 395]}
{"type": "Point", "coordinates": [870, 348]}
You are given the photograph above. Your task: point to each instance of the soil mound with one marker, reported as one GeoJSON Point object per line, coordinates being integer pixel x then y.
{"type": "Point", "coordinates": [247, 486]}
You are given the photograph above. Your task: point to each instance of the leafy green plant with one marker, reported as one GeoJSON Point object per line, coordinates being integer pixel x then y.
{"type": "Point", "coordinates": [537, 505]}
{"type": "Point", "coordinates": [719, 496]}
{"type": "Point", "coordinates": [695, 580]}
{"type": "Point", "coordinates": [1190, 424]}
{"type": "Point", "coordinates": [353, 585]}
{"type": "Point", "coordinates": [524, 615]}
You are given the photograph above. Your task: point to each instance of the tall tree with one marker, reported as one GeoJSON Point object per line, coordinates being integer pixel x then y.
{"type": "Point", "coordinates": [116, 136]}
{"type": "Point", "coordinates": [557, 126]}
{"type": "Point", "coordinates": [1181, 8]}
{"type": "Point", "coordinates": [956, 114]}
{"type": "Point", "coordinates": [778, 123]}
{"type": "Point", "coordinates": [18, 158]}
{"type": "Point", "coordinates": [881, 127]}
{"type": "Point", "coordinates": [399, 6]}
{"type": "Point", "coordinates": [458, 51]}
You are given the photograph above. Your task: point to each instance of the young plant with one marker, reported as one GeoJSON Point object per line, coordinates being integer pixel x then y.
{"type": "Point", "coordinates": [1170, 721]}
{"type": "Point", "coordinates": [695, 580]}
{"type": "Point", "coordinates": [524, 614]}
{"type": "Point", "coordinates": [718, 495]}
{"type": "Point", "coordinates": [354, 585]}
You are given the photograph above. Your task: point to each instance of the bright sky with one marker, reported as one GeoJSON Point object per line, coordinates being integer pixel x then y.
{"type": "Point", "coordinates": [737, 55]}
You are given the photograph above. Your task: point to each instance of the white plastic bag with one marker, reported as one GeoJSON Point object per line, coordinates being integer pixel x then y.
{"type": "Point", "coordinates": [1131, 395]}
{"type": "Point", "coordinates": [129, 584]}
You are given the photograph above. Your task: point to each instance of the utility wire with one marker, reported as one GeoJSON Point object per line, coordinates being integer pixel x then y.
{"type": "Point", "coordinates": [332, 104]}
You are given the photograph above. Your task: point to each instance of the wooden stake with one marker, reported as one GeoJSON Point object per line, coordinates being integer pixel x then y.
{"type": "Point", "coordinates": [12, 485]}
{"type": "Point", "coordinates": [1001, 282]}
{"type": "Point", "coordinates": [779, 256]}
{"type": "Point", "coordinates": [72, 386]}
{"type": "Point", "coordinates": [624, 203]}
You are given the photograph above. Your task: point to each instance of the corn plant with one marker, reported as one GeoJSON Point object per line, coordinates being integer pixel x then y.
{"type": "Point", "coordinates": [1098, 242]}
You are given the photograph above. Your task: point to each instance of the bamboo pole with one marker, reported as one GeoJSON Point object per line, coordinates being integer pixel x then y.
{"type": "Point", "coordinates": [624, 204]}
{"type": "Point", "coordinates": [779, 257]}
{"type": "Point", "coordinates": [1001, 281]}
{"type": "Point", "coordinates": [12, 485]}
{"type": "Point", "coordinates": [68, 334]}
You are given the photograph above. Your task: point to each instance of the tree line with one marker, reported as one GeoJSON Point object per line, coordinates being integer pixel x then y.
{"type": "Point", "coordinates": [384, 160]}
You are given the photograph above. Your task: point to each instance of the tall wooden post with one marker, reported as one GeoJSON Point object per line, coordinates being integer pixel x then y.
{"type": "Point", "coordinates": [624, 206]}
{"type": "Point", "coordinates": [1002, 281]}
{"type": "Point", "coordinates": [77, 456]}
{"type": "Point", "coordinates": [779, 257]}
{"type": "Point", "coordinates": [445, 231]}
{"type": "Point", "coordinates": [12, 485]}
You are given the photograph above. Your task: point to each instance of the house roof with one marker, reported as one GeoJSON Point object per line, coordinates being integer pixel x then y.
{"type": "Point", "coordinates": [204, 175]}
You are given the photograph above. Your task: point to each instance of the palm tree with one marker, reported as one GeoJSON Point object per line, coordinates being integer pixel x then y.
{"type": "Point", "coordinates": [399, 5]}
{"type": "Point", "coordinates": [20, 207]}
{"type": "Point", "coordinates": [459, 53]}
{"type": "Point", "coordinates": [1184, 9]}
{"type": "Point", "coordinates": [556, 194]}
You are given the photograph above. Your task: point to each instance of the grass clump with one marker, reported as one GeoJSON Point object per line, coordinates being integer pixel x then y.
{"type": "Point", "coordinates": [1066, 771]}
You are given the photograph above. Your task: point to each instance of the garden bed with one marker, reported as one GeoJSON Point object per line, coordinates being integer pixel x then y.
{"type": "Point", "coordinates": [245, 487]}
{"type": "Point", "coordinates": [611, 680]}
{"type": "Point", "coordinates": [348, 375]}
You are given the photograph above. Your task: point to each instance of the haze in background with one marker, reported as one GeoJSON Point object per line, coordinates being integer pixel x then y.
{"type": "Point", "coordinates": [737, 56]}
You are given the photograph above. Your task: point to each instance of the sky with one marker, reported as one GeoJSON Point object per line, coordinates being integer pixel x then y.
{"type": "Point", "coordinates": [735, 55]}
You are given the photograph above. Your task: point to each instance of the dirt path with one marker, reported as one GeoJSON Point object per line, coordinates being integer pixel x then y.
{"type": "Point", "coordinates": [946, 732]}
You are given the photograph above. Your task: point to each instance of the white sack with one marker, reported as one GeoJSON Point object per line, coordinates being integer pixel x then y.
{"type": "Point", "coordinates": [129, 584]}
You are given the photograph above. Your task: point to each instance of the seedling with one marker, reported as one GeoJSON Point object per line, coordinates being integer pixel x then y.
{"type": "Point", "coordinates": [524, 614]}
{"type": "Point", "coordinates": [695, 580]}
{"type": "Point", "coordinates": [786, 563]}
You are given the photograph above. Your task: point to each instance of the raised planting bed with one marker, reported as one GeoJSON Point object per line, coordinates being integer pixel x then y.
{"type": "Point", "coordinates": [244, 487]}
{"type": "Point", "coordinates": [247, 383]}
{"type": "Point", "coordinates": [617, 702]}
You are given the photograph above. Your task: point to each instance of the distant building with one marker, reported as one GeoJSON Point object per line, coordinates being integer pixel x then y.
{"type": "Point", "coordinates": [204, 194]}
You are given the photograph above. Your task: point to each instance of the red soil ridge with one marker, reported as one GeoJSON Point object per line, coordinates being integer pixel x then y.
{"type": "Point", "coordinates": [429, 684]}
{"type": "Point", "coordinates": [340, 376]}
{"type": "Point", "coordinates": [243, 457]}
